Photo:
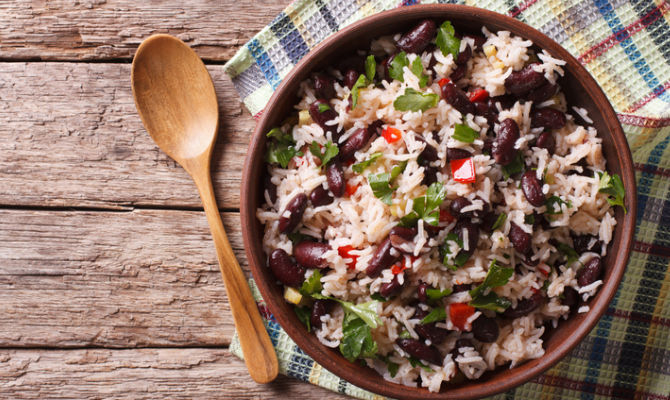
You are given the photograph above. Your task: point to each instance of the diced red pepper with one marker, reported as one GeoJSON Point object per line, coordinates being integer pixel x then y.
{"type": "Point", "coordinates": [443, 81]}
{"type": "Point", "coordinates": [478, 95]}
{"type": "Point", "coordinates": [351, 189]}
{"type": "Point", "coordinates": [398, 268]}
{"type": "Point", "coordinates": [391, 134]}
{"type": "Point", "coordinates": [445, 216]}
{"type": "Point", "coordinates": [463, 170]}
{"type": "Point", "coordinates": [459, 314]}
{"type": "Point", "coordinates": [344, 253]}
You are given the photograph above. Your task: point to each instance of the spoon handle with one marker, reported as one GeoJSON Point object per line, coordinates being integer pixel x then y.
{"type": "Point", "coordinates": [259, 354]}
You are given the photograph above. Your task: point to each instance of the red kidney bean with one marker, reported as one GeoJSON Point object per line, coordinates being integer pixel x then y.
{"type": "Point", "coordinates": [542, 93]}
{"type": "Point", "coordinates": [473, 233]}
{"type": "Point", "coordinates": [485, 329]}
{"type": "Point", "coordinates": [428, 153]}
{"type": "Point", "coordinates": [324, 86]}
{"type": "Point", "coordinates": [463, 287]}
{"type": "Point", "coordinates": [386, 66]}
{"type": "Point", "coordinates": [382, 258]}
{"type": "Point", "coordinates": [296, 207]}
{"type": "Point", "coordinates": [390, 289]}
{"type": "Point", "coordinates": [319, 308]}
{"type": "Point", "coordinates": [547, 118]}
{"type": "Point", "coordinates": [354, 62]}
{"type": "Point", "coordinates": [350, 78]}
{"type": "Point", "coordinates": [429, 331]}
{"type": "Point", "coordinates": [285, 269]}
{"type": "Point", "coordinates": [320, 196]}
{"type": "Point", "coordinates": [590, 272]}
{"type": "Point", "coordinates": [355, 142]}
{"type": "Point", "coordinates": [457, 98]}
{"type": "Point", "coordinates": [521, 82]}
{"type": "Point", "coordinates": [376, 128]}
{"type": "Point", "coordinates": [270, 187]}
{"type": "Point", "coordinates": [488, 110]}
{"type": "Point", "coordinates": [457, 154]}
{"type": "Point", "coordinates": [418, 349]}
{"type": "Point", "coordinates": [400, 235]}
{"type": "Point", "coordinates": [429, 175]}
{"type": "Point", "coordinates": [525, 306]}
{"type": "Point", "coordinates": [506, 101]}
{"type": "Point", "coordinates": [532, 188]}
{"type": "Point", "coordinates": [520, 239]}
{"type": "Point", "coordinates": [321, 117]}
{"type": "Point", "coordinates": [464, 56]}
{"type": "Point", "coordinates": [458, 73]}
{"type": "Point", "coordinates": [457, 205]}
{"type": "Point", "coordinates": [462, 342]}
{"type": "Point", "coordinates": [546, 141]}
{"type": "Point", "coordinates": [310, 254]}
{"type": "Point", "coordinates": [586, 243]}
{"type": "Point", "coordinates": [503, 146]}
{"type": "Point", "coordinates": [570, 298]}
{"type": "Point", "coordinates": [418, 38]}
{"type": "Point", "coordinates": [479, 41]}
{"type": "Point", "coordinates": [421, 292]}
{"type": "Point", "coordinates": [335, 178]}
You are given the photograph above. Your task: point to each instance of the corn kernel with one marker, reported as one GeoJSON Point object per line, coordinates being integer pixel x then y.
{"type": "Point", "coordinates": [549, 178]}
{"type": "Point", "coordinates": [490, 50]}
{"type": "Point", "coordinates": [498, 64]}
{"type": "Point", "coordinates": [292, 295]}
{"type": "Point", "coordinates": [304, 118]}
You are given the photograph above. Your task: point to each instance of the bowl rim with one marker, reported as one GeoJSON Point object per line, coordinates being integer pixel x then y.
{"type": "Point", "coordinates": [598, 305]}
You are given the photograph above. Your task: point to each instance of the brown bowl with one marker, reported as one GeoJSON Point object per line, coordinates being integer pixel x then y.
{"type": "Point", "coordinates": [580, 89]}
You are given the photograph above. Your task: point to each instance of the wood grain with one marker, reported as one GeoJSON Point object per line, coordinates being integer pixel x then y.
{"type": "Point", "coordinates": [114, 279]}
{"type": "Point", "coordinates": [70, 137]}
{"type": "Point", "coordinates": [140, 373]}
{"type": "Point", "coordinates": [112, 30]}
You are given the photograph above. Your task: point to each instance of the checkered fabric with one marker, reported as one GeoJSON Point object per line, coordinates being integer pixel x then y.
{"type": "Point", "coordinates": [625, 45]}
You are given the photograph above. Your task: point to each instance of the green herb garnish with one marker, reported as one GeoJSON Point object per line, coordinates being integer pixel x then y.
{"type": "Point", "coordinates": [399, 62]}
{"type": "Point", "coordinates": [416, 363]}
{"type": "Point", "coordinates": [361, 166]}
{"type": "Point", "coordinates": [357, 341]}
{"type": "Point", "coordinates": [378, 297]}
{"type": "Point", "coordinates": [483, 297]}
{"type": "Point", "coordinates": [437, 314]}
{"type": "Point", "coordinates": [500, 221]}
{"type": "Point", "coordinates": [393, 368]}
{"type": "Point", "coordinates": [516, 166]}
{"type": "Point", "coordinates": [426, 207]}
{"type": "Point", "coordinates": [464, 133]}
{"type": "Point", "coordinates": [569, 253]}
{"type": "Point", "coordinates": [398, 169]}
{"type": "Point", "coordinates": [304, 315]}
{"type": "Point", "coordinates": [447, 40]}
{"type": "Point", "coordinates": [414, 100]}
{"type": "Point", "coordinates": [381, 187]}
{"type": "Point", "coordinates": [370, 68]}
{"type": "Point", "coordinates": [613, 187]}
{"type": "Point", "coordinates": [280, 149]}
{"type": "Point", "coordinates": [323, 107]}
{"type": "Point", "coordinates": [361, 82]}
{"type": "Point", "coordinates": [330, 152]}
{"type": "Point", "coordinates": [529, 219]}
{"type": "Point", "coordinates": [417, 69]}
{"type": "Point", "coordinates": [366, 311]}
{"type": "Point", "coordinates": [554, 203]}
{"type": "Point", "coordinates": [436, 294]}
{"type": "Point", "coordinates": [312, 284]}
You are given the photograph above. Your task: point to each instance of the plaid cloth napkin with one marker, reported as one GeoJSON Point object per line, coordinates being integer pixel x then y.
{"type": "Point", "coordinates": [625, 45]}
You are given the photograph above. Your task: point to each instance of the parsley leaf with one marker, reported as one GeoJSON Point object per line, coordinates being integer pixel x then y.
{"type": "Point", "coordinates": [370, 67]}
{"type": "Point", "coordinates": [426, 207]}
{"type": "Point", "coordinates": [404, 335]}
{"type": "Point", "coordinates": [297, 237]}
{"type": "Point", "coordinates": [569, 253]}
{"type": "Point", "coordinates": [381, 188]}
{"type": "Point", "coordinates": [366, 311]}
{"type": "Point", "coordinates": [329, 154]}
{"type": "Point", "coordinates": [416, 363]}
{"type": "Point", "coordinates": [393, 368]}
{"type": "Point", "coordinates": [464, 133]}
{"type": "Point", "coordinates": [398, 169]}
{"type": "Point", "coordinates": [499, 222]}
{"type": "Point", "coordinates": [613, 186]}
{"type": "Point", "coordinates": [323, 107]}
{"type": "Point", "coordinates": [414, 100]}
{"type": "Point", "coordinates": [437, 314]}
{"type": "Point", "coordinates": [279, 153]}
{"type": "Point", "coordinates": [304, 315]}
{"type": "Point", "coordinates": [529, 219]}
{"type": "Point", "coordinates": [554, 203]}
{"type": "Point", "coordinates": [516, 166]}
{"type": "Point", "coordinates": [361, 83]}
{"type": "Point", "coordinates": [497, 276]}
{"type": "Point", "coordinates": [357, 341]}
{"type": "Point", "coordinates": [417, 69]}
{"type": "Point", "coordinates": [447, 41]}
{"type": "Point", "coordinates": [378, 297]}
{"type": "Point", "coordinates": [280, 136]}
{"type": "Point", "coordinates": [361, 166]}
{"type": "Point", "coordinates": [436, 294]}
{"type": "Point", "coordinates": [399, 62]}
{"type": "Point", "coordinates": [312, 284]}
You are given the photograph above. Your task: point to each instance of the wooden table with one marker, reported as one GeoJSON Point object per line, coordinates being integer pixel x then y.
{"type": "Point", "coordinates": [109, 284]}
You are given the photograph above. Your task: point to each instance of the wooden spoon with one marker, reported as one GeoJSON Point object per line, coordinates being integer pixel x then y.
{"type": "Point", "coordinates": [175, 98]}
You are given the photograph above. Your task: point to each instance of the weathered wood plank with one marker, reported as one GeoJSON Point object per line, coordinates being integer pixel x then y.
{"type": "Point", "coordinates": [140, 373]}
{"type": "Point", "coordinates": [102, 30]}
{"type": "Point", "coordinates": [113, 279]}
{"type": "Point", "coordinates": [70, 137]}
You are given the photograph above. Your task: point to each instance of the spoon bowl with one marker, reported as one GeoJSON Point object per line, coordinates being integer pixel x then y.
{"type": "Point", "coordinates": [175, 98]}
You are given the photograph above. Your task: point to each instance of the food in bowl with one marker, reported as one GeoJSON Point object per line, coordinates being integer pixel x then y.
{"type": "Point", "coordinates": [434, 205]}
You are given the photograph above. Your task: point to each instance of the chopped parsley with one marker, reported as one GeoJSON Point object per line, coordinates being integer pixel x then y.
{"type": "Point", "coordinates": [414, 100]}
{"type": "Point", "coordinates": [554, 203]}
{"type": "Point", "coordinates": [361, 82]}
{"type": "Point", "coordinates": [312, 284]}
{"type": "Point", "coordinates": [436, 294]}
{"type": "Point", "coordinates": [483, 297]}
{"type": "Point", "coordinates": [613, 187]}
{"type": "Point", "coordinates": [463, 133]}
{"type": "Point", "coordinates": [417, 69]}
{"type": "Point", "coordinates": [398, 63]}
{"type": "Point", "coordinates": [426, 207]}
{"type": "Point", "coordinates": [304, 315]}
{"type": "Point", "coordinates": [361, 166]}
{"type": "Point", "coordinates": [370, 68]}
{"type": "Point", "coordinates": [326, 156]}
{"type": "Point", "coordinates": [516, 166]}
{"type": "Point", "coordinates": [500, 221]}
{"type": "Point", "coordinates": [280, 148]}
{"type": "Point", "coordinates": [381, 187]}
{"type": "Point", "coordinates": [437, 314]}
{"type": "Point", "coordinates": [447, 40]}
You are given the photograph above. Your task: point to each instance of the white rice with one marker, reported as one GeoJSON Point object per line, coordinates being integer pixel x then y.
{"type": "Point", "coordinates": [362, 221]}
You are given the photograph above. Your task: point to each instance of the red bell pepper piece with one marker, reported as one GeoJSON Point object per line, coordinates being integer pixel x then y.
{"type": "Point", "coordinates": [463, 170]}
{"type": "Point", "coordinates": [459, 314]}
{"type": "Point", "coordinates": [443, 81]}
{"type": "Point", "coordinates": [351, 189]}
{"type": "Point", "coordinates": [344, 253]}
{"type": "Point", "coordinates": [391, 134]}
{"type": "Point", "coordinates": [478, 95]}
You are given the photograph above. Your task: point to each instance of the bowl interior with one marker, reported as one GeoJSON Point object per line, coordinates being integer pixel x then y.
{"type": "Point", "coordinates": [580, 89]}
